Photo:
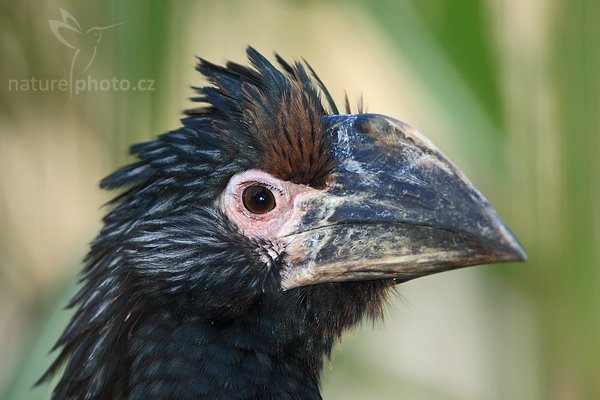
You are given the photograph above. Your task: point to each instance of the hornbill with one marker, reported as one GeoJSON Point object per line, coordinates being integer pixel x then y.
{"type": "Point", "coordinates": [243, 244]}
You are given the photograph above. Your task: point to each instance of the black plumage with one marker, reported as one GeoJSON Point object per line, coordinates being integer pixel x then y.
{"type": "Point", "coordinates": [179, 302]}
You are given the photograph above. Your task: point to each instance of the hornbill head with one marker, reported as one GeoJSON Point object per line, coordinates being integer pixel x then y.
{"type": "Point", "coordinates": [270, 223]}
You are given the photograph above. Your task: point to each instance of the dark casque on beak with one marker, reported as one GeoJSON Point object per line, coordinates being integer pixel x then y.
{"type": "Point", "coordinates": [398, 209]}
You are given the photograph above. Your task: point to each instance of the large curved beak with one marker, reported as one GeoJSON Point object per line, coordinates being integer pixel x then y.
{"type": "Point", "coordinates": [398, 209]}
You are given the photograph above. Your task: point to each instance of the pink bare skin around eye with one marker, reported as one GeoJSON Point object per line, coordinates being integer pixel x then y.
{"type": "Point", "coordinates": [274, 224]}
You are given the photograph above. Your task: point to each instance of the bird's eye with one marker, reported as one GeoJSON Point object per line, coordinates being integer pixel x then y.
{"type": "Point", "coordinates": [258, 199]}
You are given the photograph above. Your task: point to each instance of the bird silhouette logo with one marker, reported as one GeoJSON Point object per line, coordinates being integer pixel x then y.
{"type": "Point", "coordinates": [85, 42]}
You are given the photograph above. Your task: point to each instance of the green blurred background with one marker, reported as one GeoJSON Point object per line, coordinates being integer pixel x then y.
{"type": "Point", "coordinates": [508, 89]}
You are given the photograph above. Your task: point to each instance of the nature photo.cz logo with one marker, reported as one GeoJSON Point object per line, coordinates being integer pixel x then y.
{"type": "Point", "coordinates": [85, 44]}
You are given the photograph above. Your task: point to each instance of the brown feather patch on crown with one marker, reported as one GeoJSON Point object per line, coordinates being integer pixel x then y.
{"type": "Point", "coordinates": [270, 119]}
{"type": "Point", "coordinates": [290, 134]}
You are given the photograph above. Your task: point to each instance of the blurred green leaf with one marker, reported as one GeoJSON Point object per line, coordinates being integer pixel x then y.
{"type": "Point", "coordinates": [476, 128]}
{"type": "Point", "coordinates": [36, 358]}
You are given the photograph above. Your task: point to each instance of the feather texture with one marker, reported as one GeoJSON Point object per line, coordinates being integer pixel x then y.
{"type": "Point", "coordinates": [174, 301]}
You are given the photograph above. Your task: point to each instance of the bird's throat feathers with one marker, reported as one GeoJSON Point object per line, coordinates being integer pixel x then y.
{"type": "Point", "coordinates": [274, 350]}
